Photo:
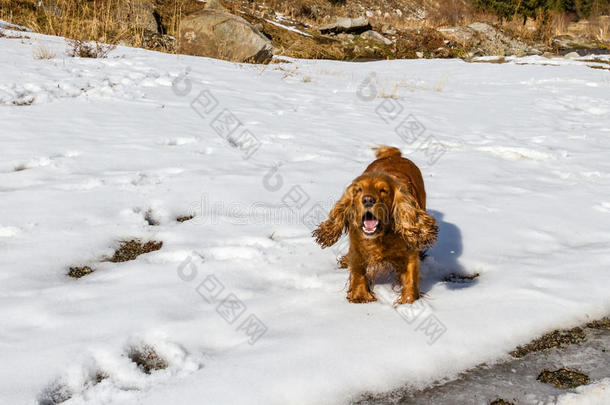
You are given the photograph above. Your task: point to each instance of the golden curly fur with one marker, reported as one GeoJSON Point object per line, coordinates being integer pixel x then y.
{"type": "Point", "coordinates": [384, 213]}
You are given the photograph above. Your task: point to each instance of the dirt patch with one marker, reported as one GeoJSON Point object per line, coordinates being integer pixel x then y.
{"type": "Point", "coordinates": [130, 250]}
{"type": "Point", "coordinates": [78, 272]}
{"type": "Point", "coordinates": [563, 378]}
{"type": "Point", "coordinates": [460, 278]}
{"type": "Point", "coordinates": [147, 359]}
{"type": "Point", "coordinates": [557, 338]}
{"type": "Point", "coordinates": [185, 218]}
{"type": "Point", "coordinates": [500, 401]}
{"type": "Point", "coordinates": [603, 323]}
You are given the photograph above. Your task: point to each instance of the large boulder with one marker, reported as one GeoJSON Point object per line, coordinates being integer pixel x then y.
{"type": "Point", "coordinates": [219, 34]}
{"type": "Point", "coordinates": [375, 37]}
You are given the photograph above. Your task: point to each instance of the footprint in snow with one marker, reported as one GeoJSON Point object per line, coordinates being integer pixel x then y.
{"type": "Point", "coordinates": [44, 161]}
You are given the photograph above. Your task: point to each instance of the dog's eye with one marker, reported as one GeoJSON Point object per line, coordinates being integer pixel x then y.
{"type": "Point", "coordinates": [359, 190]}
{"type": "Point", "coordinates": [383, 191]}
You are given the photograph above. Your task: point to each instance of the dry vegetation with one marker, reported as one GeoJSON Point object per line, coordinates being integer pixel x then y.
{"type": "Point", "coordinates": [79, 271]}
{"type": "Point", "coordinates": [563, 378]}
{"type": "Point", "coordinates": [412, 24]}
{"type": "Point", "coordinates": [107, 21]}
{"type": "Point", "coordinates": [130, 250]}
{"type": "Point", "coordinates": [84, 49]}
{"type": "Point", "coordinates": [41, 51]}
{"type": "Point", "coordinates": [147, 359]}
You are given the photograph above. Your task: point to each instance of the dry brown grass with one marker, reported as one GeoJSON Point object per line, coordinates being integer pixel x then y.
{"type": "Point", "coordinates": [84, 49]}
{"type": "Point", "coordinates": [96, 20]}
{"type": "Point", "coordinates": [72, 19]}
{"type": "Point", "coordinates": [42, 51]}
{"type": "Point", "coordinates": [547, 26]}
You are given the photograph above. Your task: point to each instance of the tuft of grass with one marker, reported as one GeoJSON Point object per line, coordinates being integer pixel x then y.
{"type": "Point", "coordinates": [130, 250]}
{"type": "Point", "coordinates": [147, 358]}
{"type": "Point", "coordinates": [563, 378]}
{"type": "Point", "coordinates": [83, 49]}
{"type": "Point", "coordinates": [78, 272]}
{"type": "Point", "coordinates": [557, 338]}
{"type": "Point", "coordinates": [185, 218]}
{"type": "Point", "coordinates": [393, 94]}
{"type": "Point", "coordinates": [43, 52]}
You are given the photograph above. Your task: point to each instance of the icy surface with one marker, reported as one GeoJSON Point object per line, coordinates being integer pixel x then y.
{"type": "Point", "coordinates": [93, 151]}
{"type": "Point", "coordinates": [515, 380]}
{"type": "Point", "coordinates": [597, 393]}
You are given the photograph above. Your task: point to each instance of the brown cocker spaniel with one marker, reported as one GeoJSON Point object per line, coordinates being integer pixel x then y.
{"type": "Point", "coordinates": [384, 213]}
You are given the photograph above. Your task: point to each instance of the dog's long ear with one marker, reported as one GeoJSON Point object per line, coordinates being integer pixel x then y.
{"type": "Point", "coordinates": [329, 231]}
{"type": "Point", "coordinates": [415, 225]}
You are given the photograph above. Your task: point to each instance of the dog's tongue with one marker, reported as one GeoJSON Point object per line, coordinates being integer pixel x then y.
{"type": "Point", "coordinates": [370, 224]}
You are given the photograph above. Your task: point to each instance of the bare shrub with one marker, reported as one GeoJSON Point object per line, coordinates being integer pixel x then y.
{"type": "Point", "coordinates": [83, 49]}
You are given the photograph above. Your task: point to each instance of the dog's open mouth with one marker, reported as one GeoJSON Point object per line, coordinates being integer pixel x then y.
{"type": "Point", "coordinates": [370, 224]}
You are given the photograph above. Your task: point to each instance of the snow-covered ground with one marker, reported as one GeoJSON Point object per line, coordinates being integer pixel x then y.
{"type": "Point", "coordinates": [240, 302]}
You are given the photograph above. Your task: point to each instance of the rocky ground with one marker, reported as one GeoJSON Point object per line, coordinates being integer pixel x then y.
{"type": "Point", "coordinates": [255, 30]}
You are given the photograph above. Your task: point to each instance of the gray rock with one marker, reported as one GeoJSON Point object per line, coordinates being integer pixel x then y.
{"type": "Point", "coordinates": [344, 24]}
{"type": "Point", "coordinates": [346, 37]}
{"type": "Point", "coordinates": [215, 5]}
{"type": "Point", "coordinates": [442, 53]}
{"type": "Point", "coordinates": [136, 14]}
{"type": "Point", "coordinates": [222, 35]}
{"type": "Point", "coordinates": [571, 55]}
{"type": "Point", "coordinates": [376, 37]}
{"type": "Point", "coordinates": [567, 42]}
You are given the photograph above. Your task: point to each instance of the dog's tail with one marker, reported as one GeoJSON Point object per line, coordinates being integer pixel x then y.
{"type": "Point", "coordinates": [383, 151]}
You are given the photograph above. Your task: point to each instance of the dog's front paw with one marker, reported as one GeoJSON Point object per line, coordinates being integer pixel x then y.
{"type": "Point", "coordinates": [408, 298]}
{"type": "Point", "coordinates": [361, 297]}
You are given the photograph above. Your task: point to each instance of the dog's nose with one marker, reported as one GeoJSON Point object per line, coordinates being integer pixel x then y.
{"type": "Point", "coordinates": [368, 200]}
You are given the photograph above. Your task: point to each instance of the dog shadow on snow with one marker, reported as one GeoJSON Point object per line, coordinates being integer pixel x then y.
{"type": "Point", "coordinates": [441, 263]}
